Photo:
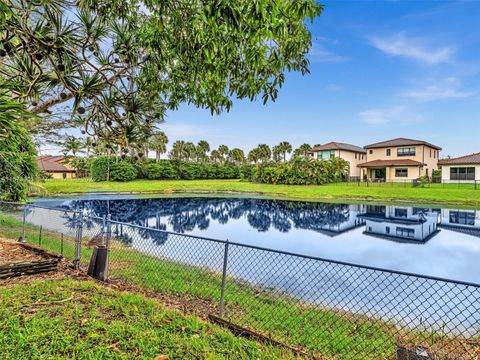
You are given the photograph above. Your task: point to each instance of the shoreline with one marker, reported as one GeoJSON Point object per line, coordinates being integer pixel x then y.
{"type": "Point", "coordinates": [268, 195]}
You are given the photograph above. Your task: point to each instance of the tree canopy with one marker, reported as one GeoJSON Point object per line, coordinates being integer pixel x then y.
{"type": "Point", "coordinates": [17, 153]}
{"type": "Point", "coordinates": [111, 67]}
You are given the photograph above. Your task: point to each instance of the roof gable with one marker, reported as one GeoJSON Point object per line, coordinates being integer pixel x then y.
{"type": "Point", "coordinates": [338, 146]}
{"type": "Point", "coordinates": [401, 142]}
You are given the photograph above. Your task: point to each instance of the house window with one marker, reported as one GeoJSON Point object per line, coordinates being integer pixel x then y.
{"type": "Point", "coordinates": [430, 152]}
{"type": "Point", "coordinates": [462, 173]}
{"type": "Point", "coordinates": [387, 229]}
{"type": "Point", "coordinates": [389, 152]}
{"type": "Point", "coordinates": [401, 213]}
{"type": "Point", "coordinates": [356, 155]}
{"type": "Point", "coordinates": [371, 152]}
{"type": "Point", "coordinates": [462, 218]}
{"type": "Point", "coordinates": [326, 154]}
{"type": "Point", "coordinates": [405, 232]}
{"type": "Point", "coordinates": [401, 173]}
{"type": "Point", "coordinates": [406, 151]}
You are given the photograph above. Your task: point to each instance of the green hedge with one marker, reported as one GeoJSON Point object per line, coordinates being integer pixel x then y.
{"type": "Point", "coordinates": [117, 169]}
{"type": "Point", "coordinates": [123, 171]}
{"type": "Point", "coordinates": [100, 168]}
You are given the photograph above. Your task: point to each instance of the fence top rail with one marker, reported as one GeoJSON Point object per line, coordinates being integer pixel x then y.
{"type": "Point", "coordinates": [366, 267]}
{"type": "Point", "coordinates": [338, 262]}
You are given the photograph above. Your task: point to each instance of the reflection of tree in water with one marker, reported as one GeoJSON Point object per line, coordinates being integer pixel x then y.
{"type": "Point", "coordinates": [186, 214]}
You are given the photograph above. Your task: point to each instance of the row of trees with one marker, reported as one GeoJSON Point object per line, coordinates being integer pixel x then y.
{"type": "Point", "coordinates": [188, 151]}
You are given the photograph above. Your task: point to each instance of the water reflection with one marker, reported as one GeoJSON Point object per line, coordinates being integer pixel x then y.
{"type": "Point", "coordinates": [430, 241]}
{"type": "Point", "coordinates": [184, 215]}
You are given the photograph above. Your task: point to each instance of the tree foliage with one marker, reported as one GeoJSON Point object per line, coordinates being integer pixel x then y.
{"type": "Point", "coordinates": [114, 67]}
{"type": "Point", "coordinates": [17, 153]}
{"type": "Point", "coordinates": [302, 171]}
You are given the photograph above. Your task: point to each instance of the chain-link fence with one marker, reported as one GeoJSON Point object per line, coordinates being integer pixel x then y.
{"type": "Point", "coordinates": [322, 307]}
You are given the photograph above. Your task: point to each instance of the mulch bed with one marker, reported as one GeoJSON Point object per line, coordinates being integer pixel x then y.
{"type": "Point", "coordinates": [17, 259]}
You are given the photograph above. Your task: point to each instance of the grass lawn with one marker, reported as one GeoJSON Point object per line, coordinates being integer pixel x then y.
{"type": "Point", "coordinates": [436, 193]}
{"type": "Point", "coordinates": [319, 331]}
{"type": "Point", "coordinates": [82, 320]}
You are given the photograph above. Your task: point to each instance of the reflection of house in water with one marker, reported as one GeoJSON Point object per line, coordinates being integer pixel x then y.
{"type": "Point", "coordinates": [463, 221]}
{"type": "Point", "coordinates": [340, 219]}
{"type": "Point", "coordinates": [415, 225]}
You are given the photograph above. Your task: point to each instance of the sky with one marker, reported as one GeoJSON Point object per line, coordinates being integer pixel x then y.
{"type": "Point", "coordinates": [379, 70]}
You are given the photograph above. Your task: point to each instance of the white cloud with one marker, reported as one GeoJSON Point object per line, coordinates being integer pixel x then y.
{"type": "Point", "coordinates": [448, 89]}
{"type": "Point", "coordinates": [394, 115]}
{"type": "Point", "coordinates": [401, 45]}
{"type": "Point", "coordinates": [319, 53]}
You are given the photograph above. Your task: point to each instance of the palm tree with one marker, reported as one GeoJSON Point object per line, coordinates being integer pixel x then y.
{"type": "Point", "coordinates": [216, 156]}
{"type": "Point", "coordinates": [264, 152]}
{"type": "Point", "coordinates": [73, 145]}
{"type": "Point", "coordinates": [236, 156]}
{"type": "Point", "coordinates": [203, 147]}
{"type": "Point", "coordinates": [158, 143]}
{"type": "Point", "coordinates": [88, 145]}
{"type": "Point", "coordinates": [253, 155]}
{"type": "Point", "coordinates": [302, 150]}
{"type": "Point", "coordinates": [285, 149]}
{"type": "Point", "coordinates": [182, 150]}
{"type": "Point", "coordinates": [276, 153]}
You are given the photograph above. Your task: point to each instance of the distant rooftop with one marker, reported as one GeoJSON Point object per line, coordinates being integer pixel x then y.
{"type": "Point", "coordinates": [386, 163]}
{"type": "Point", "coordinates": [47, 165]}
{"type": "Point", "coordinates": [472, 159]}
{"type": "Point", "coordinates": [401, 142]}
{"type": "Point", "coordinates": [338, 146]}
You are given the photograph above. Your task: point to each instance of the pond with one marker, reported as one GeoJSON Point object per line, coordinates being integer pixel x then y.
{"type": "Point", "coordinates": [441, 242]}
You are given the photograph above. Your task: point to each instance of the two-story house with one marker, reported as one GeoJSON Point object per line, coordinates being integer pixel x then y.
{"type": "Point", "coordinates": [355, 155]}
{"type": "Point", "coordinates": [399, 159]}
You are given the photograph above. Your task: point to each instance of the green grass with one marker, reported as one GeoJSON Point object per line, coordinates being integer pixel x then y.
{"type": "Point", "coordinates": [320, 331]}
{"type": "Point", "coordinates": [435, 193]}
{"type": "Point", "coordinates": [83, 320]}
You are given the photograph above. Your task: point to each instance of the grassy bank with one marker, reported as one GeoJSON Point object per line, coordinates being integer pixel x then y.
{"type": "Point", "coordinates": [319, 330]}
{"type": "Point", "coordinates": [436, 193]}
{"type": "Point", "coordinates": [82, 320]}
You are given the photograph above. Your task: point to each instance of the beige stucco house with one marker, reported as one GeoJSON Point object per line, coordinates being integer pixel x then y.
{"type": "Point", "coordinates": [56, 167]}
{"type": "Point", "coordinates": [461, 169]}
{"type": "Point", "coordinates": [399, 160]}
{"type": "Point", "coordinates": [355, 155]}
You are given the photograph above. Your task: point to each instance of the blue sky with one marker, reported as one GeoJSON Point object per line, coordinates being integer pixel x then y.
{"type": "Point", "coordinates": [379, 70]}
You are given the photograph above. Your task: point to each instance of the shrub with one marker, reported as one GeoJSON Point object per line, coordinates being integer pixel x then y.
{"type": "Point", "coordinates": [123, 171]}
{"type": "Point", "coordinates": [100, 168]}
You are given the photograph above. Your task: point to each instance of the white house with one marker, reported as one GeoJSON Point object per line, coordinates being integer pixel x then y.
{"type": "Point", "coordinates": [461, 169]}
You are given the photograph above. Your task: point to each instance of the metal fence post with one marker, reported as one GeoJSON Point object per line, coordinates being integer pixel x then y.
{"type": "Point", "coordinates": [78, 241]}
{"type": "Point", "coordinates": [24, 220]}
{"type": "Point", "coordinates": [108, 237]}
{"type": "Point", "coordinates": [224, 279]}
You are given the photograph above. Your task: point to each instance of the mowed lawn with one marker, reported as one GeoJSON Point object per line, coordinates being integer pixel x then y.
{"type": "Point", "coordinates": [435, 193]}
{"type": "Point", "coordinates": [80, 319]}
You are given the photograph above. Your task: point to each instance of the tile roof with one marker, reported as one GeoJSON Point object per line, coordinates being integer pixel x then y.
{"type": "Point", "coordinates": [51, 166]}
{"type": "Point", "coordinates": [401, 142]}
{"type": "Point", "coordinates": [471, 159]}
{"type": "Point", "coordinates": [386, 163]}
{"type": "Point", "coordinates": [338, 146]}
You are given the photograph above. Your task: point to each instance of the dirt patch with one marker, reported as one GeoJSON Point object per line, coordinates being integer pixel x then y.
{"type": "Point", "coordinates": [12, 252]}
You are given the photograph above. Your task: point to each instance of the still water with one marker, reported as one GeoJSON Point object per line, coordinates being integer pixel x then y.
{"type": "Point", "coordinates": [429, 241]}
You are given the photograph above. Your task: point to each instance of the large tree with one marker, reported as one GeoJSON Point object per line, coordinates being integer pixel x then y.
{"type": "Point", "coordinates": [17, 153]}
{"type": "Point", "coordinates": [106, 66]}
